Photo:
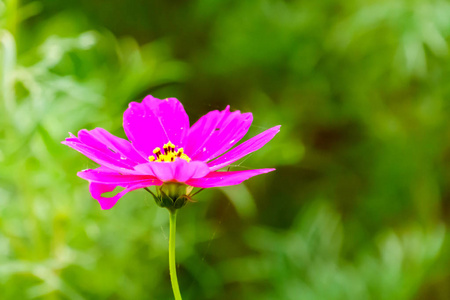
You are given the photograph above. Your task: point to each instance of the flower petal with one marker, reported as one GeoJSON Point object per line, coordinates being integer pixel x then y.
{"type": "Point", "coordinates": [104, 149]}
{"type": "Point", "coordinates": [216, 179]}
{"type": "Point", "coordinates": [155, 122]}
{"type": "Point", "coordinates": [243, 149]}
{"type": "Point", "coordinates": [179, 170]}
{"type": "Point", "coordinates": [119, 145]}
{"type": "Point", "coordinates": [97, 189]}
{"type": "Point", "coordinates": [216, 132]}
{"type": "Point", "coordinates": [103, 175]}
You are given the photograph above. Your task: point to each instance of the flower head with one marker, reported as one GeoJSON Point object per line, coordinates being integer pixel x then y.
{"type": "Point", "coordinates": [164, 150]}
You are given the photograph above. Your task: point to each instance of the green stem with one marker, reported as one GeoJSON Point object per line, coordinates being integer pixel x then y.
{"type": "Point", "coordinates": [172, 265]}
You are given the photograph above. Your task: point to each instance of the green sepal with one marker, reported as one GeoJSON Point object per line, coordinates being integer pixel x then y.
{"type": "Point", "coordinates": [180, 202]}
{"type": "Point", "coordinates": [157, 199]}
{"type": "Point", "coordinates": [171, 196]}
{"type": "Point", "coordinates": [166, 201]}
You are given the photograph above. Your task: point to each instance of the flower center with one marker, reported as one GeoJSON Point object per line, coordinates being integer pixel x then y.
{"type": "Point", "coordinates": [168, 154]}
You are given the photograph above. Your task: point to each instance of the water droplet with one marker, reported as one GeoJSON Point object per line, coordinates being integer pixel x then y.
{"type": "Point", "coordinates": [123, 157]}
{"type": "Point", "coordinates": [232, 141]}
{"type": "Point", "coordinates": [204, 149]}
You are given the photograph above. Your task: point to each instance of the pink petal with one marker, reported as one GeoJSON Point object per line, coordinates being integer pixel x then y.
{"type": "Point", "coordinates": [179, 170]}
{"type": "Point", "coordinates": [155, 122]}
{"type": "Point", "coordinates": [243, 149]}
{"type": "Point", "coordinates": [118, 145]}
{"type": "Point", "coordinates": [216, 179]}
{"type": "Point", "coordinates": [216, 132]}
{"type": "Point", "coordinates": [88, 144]}
{"type": "Point", "coordinates": [97, 189]}
{"type": "Point", "coordinates": [103, 175]}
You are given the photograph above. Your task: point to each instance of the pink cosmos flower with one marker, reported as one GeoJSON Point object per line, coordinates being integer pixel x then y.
{"type": "Point", "coordinates": [164, 149]}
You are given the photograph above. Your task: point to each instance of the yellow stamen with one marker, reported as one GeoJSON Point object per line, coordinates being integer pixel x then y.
{"type": "Point", "coordinates": [168, 154]}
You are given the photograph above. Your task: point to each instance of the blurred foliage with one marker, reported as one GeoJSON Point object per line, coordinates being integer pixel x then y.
{"type": "Point", "coordinates": [357, 209]}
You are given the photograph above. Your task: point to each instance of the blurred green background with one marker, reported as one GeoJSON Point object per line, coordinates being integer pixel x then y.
{"type": "Point", "coordinates": [358, 208]}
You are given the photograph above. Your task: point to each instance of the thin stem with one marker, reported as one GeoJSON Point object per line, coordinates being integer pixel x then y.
{"type": "Point", "coordinates": [172, 265]}
{"type": "Point", "coordinates": [148, 190]}
{"type": "Point", "coordinates": [192, 195]}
